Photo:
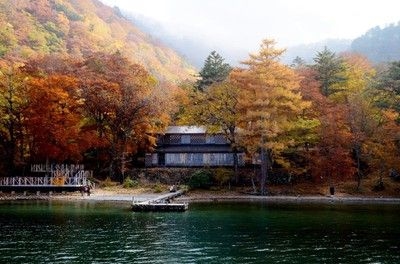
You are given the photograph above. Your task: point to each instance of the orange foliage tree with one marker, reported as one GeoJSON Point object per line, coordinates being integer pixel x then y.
{"type": "Point", "coordinates": [122, 101]}
{"type": "Point", "coordinates": [52, 119]}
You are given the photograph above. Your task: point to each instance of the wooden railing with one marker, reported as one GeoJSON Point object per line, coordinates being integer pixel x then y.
{"type": "Point", "coordinates": [52, 175]}
{"type": "Point", "coordinates": [80, 179]}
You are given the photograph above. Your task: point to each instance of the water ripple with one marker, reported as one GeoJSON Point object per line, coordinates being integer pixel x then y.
{"type": "Point", "coordinates": [254, 234]}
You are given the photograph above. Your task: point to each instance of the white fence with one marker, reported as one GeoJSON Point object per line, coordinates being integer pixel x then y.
{"type": "Point", "coordinates": [78, 180]}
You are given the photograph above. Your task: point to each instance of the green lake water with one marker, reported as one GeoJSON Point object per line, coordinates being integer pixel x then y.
{"type": "Point", "coordinates": [89, 232]}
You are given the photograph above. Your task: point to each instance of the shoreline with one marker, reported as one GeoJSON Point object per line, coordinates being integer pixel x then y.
{"type": "Point", "coordinates": [206, 198]}
{"type": "Point", "coordinates": [293, 199]}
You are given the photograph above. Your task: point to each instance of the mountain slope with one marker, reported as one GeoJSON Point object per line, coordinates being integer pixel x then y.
{"type": "Point", "coordinates": [379, 44]}
{"type": "Point", "coordinates": [79, 28]}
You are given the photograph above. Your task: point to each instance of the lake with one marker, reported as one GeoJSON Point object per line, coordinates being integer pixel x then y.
{"type": "Point", "coordinates": [95, 232]}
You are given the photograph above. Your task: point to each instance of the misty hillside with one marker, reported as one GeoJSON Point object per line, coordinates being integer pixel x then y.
{"type": "Point", "coordinates": [79, 28]}
{"type": "Point", "coordinates": [379, 44]}
{"type": "Point", "coordinates": [194, 49]}
{"type": "Point", "coordinates": [308, 51]}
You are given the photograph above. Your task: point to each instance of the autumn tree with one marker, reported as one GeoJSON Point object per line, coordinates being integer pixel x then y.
{"type": "Point", "coordinates": [55, 108]}
{"type": "Point", "coordinates": [12, 104]}
{"type": "Point", "coordinates": [331, 138]}
{"type": "Point", "coordinates": [122, 100]}
{"type": "Point", "coordinates": [345, 113]}
{"type": "Point", "coordinates": [215, 70]}
{"type": "Point", "coordinates": [332, 158]}
{"type": "Point", "coordinates": [216, 109]}
{"type": "Point", "coordinates": [365, 120]}
{"type": "Point", "coordinates": [384, 145]}
{"type": "Point", "coordinates": [357, 75]}
{"type": "Point", "coordinates": [212, 103]}
{"type": "Point", "coordinates": [269, 105]}
{"type": "Point", "coordinates": [363, 116]}
{"type": "Point", "coordinates": [386, 95]}
{"type": "Point", "coordinates": [53, 118]}
{"type": "Point", "coordinates": [221, 114]}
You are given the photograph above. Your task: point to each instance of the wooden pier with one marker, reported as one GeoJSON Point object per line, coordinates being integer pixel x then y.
{"type": "Point", "coordinates": [161, 204]}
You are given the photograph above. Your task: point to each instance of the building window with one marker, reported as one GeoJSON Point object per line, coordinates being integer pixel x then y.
{"type": "Point", "coordinates": [174, 139]}
{"type": "Point", "coordinates": [198, 139]}
{"type": "Point", "coordinates": [220, 139]}
{"type": "Point", "coordinates": [210, 139]}
{"type": "Point", "coordinates": [185, 139]}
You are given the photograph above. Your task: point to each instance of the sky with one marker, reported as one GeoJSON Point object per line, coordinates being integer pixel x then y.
{"type": "Point", "coordinates": [245, 23]}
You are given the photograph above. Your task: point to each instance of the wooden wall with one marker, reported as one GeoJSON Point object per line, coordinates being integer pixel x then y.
{"type": "Point", "coordinates": [193, 159]}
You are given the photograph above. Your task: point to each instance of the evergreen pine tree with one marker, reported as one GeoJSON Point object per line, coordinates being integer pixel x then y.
{"type": "Point", "coordinates": [213, 71]}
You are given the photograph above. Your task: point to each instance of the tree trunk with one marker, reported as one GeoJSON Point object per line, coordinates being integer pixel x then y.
{"type": "Point", "coordinates": [10, 159]}
{"type": "Point", "coordinates": [113, 162]}
{"type": "Point", "coordinates": [359, 175]}
{"type": "Point", "coordinates": [236, 165]}
{"type": "Point", "coordinates": [264, 172]}
{"type": "Point", "coordinates": [254, 186]}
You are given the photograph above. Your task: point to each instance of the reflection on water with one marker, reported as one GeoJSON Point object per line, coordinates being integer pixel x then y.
{"type": "Point", "coordinates": [88, 232]}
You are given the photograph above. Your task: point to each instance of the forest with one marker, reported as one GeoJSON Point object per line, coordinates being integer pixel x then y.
{"type": "Point", "coordinates": [80, 28]}
{"type": "Point", "coordinates": [336, 119]}
{"type": "Point", "coordinates": [56, 109]}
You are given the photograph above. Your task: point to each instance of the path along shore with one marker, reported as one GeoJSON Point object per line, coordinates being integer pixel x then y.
{"type": "Point", "coordinates": [104, 196]}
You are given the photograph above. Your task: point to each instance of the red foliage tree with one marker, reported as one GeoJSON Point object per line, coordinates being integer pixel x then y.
{"type": "Point", "coordinates": [330, 159]}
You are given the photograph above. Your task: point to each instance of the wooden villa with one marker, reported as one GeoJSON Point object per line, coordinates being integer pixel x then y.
{"type": "Point", "coordinates": [191, 146]}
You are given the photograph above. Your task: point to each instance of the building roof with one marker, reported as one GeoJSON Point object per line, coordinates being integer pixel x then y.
{"type": "Point", "coordinates": [186, 130]}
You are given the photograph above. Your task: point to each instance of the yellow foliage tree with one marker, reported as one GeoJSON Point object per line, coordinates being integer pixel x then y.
{"type": "Point", "coordinates": [216, 109]}
{"type": "Point", "coordinates": [12, 104]}
{"type": "Point", "coordinates": [270, 105]}
{"type": "Point", "coordinates": [363, 117]}
{"type": "Point", "coordinates": [357, 75]}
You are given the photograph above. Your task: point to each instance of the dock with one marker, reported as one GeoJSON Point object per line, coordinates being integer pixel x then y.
{"type": "Point", "coordinates": [161, 203]}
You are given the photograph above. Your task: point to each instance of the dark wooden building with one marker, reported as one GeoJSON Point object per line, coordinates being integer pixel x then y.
{"type": "Point", "coordinates": [191, 146]}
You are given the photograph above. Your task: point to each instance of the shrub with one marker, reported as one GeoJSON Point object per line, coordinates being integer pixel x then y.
{"type": "Point", "coordinates": [129, 183]}
{"type": "Point", "coordinates": [222, 176]}
{"type": "Point", "coordinates": [158, 188]}
{"type": "Point", "coordinates": [108, 183]}
{"type": "Point", "coordinates": [201, 179]}
{"type": "Point", "coordinates": [379, 186]}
